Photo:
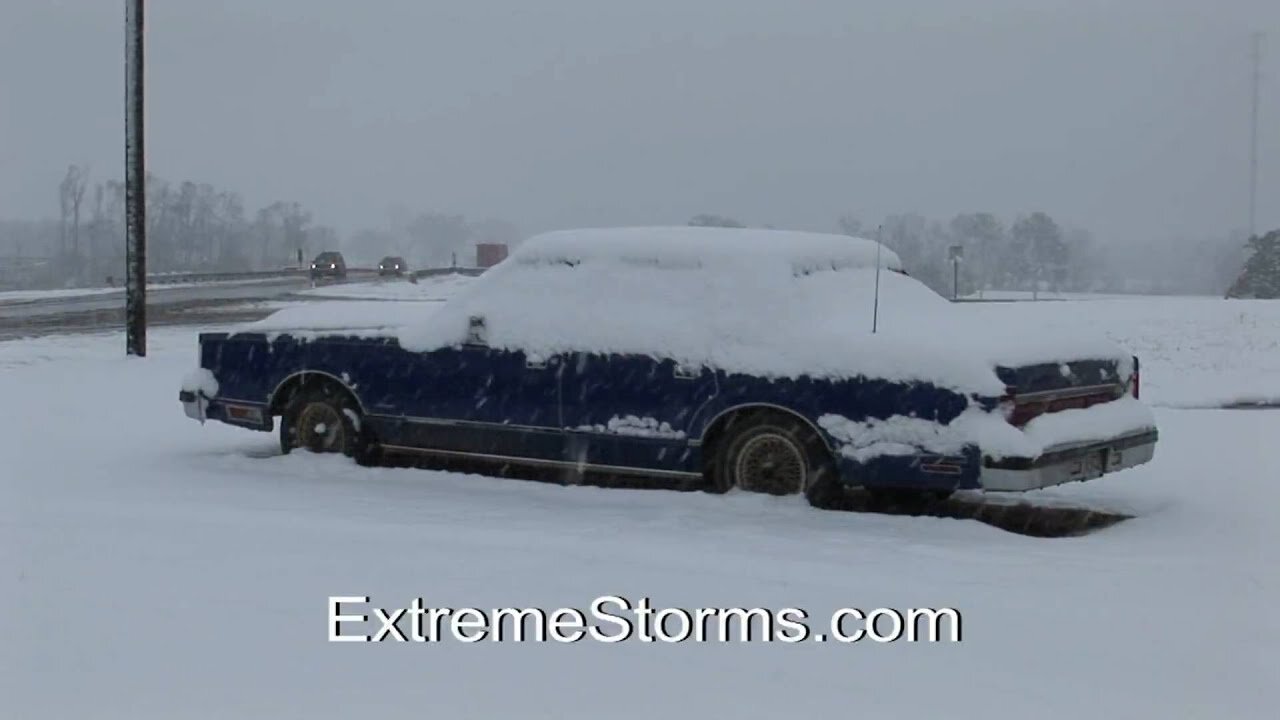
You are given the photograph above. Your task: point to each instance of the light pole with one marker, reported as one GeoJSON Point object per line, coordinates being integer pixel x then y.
{"type": "Point", "coordinates": [1256, 57]}
{"type": "Point", "coordinates": [135, 178]}
{"type": "Point", "coordinates": [956, 253]}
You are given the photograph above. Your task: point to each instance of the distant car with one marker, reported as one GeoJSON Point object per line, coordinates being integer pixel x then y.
{"type": "Point", "coordinates": [735, 358]}
{"type": "Point", "coordinates": [329, 264]}
{"type": "Point", "coordinates": [391, 266]}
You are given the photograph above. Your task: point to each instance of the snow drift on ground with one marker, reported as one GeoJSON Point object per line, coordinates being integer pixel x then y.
{"type": "Point", "coordinates": [155, 567]}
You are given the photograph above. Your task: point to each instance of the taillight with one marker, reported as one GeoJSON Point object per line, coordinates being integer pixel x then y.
{"type": "Point", "coordinates": [1135, 382]}
{"type": "Point", "coordinates": [1008, 405]}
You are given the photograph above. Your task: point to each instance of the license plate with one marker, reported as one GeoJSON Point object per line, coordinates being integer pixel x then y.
{"type": "Point", "coordinates": [1095, 464]}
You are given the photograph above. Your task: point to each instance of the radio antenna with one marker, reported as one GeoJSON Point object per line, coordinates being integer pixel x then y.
{"type": "Point", "coordinates": [875, 304]}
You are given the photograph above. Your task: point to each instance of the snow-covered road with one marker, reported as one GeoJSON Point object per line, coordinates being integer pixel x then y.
{"type": "Point", "coordinates": [158, 568]}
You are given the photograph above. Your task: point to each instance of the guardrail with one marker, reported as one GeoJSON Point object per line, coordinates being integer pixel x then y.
{"type": "Point", "coordinates": [192, 277]}
{"type": "Point", "coordinates": [179, 278]}
{"type": "Point", "coordinates": [434, 272]}
{"type": "Point", "coordinates": [1005, 300]}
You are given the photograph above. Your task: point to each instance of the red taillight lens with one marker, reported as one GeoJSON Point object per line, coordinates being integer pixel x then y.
{"type": "Point", "coordinates": [1024, 413]}
{"type": "Point", "coordinates": [1007, 407]}
{"type": "Point", "coordinates": [1135, 382]}
{"type": "Point", "coordinates": [1008, 403]}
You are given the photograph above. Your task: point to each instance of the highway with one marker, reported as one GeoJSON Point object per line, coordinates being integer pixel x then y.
{"type": "Point", "coordinates": [212, 302]}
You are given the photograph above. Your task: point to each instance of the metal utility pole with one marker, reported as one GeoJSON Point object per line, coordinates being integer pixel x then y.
{"type": "Point", "coordinates": [1256, 56]}
{"type": "Point", "coordinates": [875, 303]}
{"type": "Point", "coordinates": [955, 253]}
{"type": "Point", "coordinates": [135, 178]}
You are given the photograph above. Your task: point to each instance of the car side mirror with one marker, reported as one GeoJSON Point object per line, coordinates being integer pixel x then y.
{"type": "Point", "coordinates": [477, 333]}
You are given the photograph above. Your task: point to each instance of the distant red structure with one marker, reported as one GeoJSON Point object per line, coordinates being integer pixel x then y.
{"type": "Point", "coordinates": [490, 254]}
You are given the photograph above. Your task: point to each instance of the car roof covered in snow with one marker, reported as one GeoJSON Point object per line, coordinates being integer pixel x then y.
{"type": "Point", "coordinates": [706, 247]}
{"type": "Point", "coordinates": [763, 302]}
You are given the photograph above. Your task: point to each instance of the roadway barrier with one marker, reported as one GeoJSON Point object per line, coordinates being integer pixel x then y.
{"type": "Point", "coordinates": [195, 277]}
{"type": "Point", "coordinates": [180, 278]}
{"type": "Point", "coordinates": [435, 272]}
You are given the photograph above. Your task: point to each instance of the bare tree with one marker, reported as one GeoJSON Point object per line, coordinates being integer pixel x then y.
{"type": "Point", "coordinates": [70, 197]}
{"type": "Point", "coordinates": [850, 225]}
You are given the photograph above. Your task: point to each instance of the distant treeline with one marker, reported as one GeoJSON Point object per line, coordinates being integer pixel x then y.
{"type": "Point", "coordinates": [197, 227]}
{"type": "Point", "coordinates": [1035, 252]}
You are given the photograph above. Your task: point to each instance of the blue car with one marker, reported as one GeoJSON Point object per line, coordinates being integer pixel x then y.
{"type": "Point", "coordinates": [764, 361]}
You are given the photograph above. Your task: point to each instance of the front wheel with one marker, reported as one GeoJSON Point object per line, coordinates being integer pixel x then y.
{"type": "Point", "coordinates": [322, 419]}
{"type": "Point", "coordinates": [775, 454]}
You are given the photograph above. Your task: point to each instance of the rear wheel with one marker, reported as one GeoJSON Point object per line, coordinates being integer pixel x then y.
{"type": "Point", "coordinates": [324, 419]}
{"type": "Point", "coordinates": [775, 454]}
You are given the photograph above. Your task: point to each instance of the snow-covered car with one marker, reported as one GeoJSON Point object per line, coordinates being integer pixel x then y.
{"type": "Point", "coordinates": [391, 266]}
{"type": "Point", "coordinates": [329, 264]}
{"type": "Point", "coordinates": [736, 358]}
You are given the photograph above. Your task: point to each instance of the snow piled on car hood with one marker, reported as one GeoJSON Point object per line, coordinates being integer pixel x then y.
{"type": "Point", "coordinates": [367, 318]}
{"type": "Point", "coordinates": [767, 303]}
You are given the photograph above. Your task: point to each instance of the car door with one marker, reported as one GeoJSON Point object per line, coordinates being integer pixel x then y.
{"type": "Point", "coordinates": [482, 401]}
{"type": "Point", "coordinates": [632, 411]}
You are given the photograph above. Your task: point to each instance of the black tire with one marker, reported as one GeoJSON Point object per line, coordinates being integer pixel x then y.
{"type": "Point", "coordinates": [323, 418]}
{"type": "Point", "coordinates": [773, 453]}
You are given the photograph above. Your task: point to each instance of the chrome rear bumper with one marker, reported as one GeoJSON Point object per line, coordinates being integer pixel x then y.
{"type": "Point", "coordinates": [194, 404]}
{"type": "Point", "coordinates": [1070, 463]}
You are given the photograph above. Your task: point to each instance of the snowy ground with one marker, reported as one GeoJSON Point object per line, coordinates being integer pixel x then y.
{"type": "Point", "coordinates": [1195, 351]}
{"type": "Point", "coordinates": [155, 567]}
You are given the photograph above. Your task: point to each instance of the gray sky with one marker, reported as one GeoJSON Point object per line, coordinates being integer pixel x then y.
{"type": "Point", "coordinates": [1127, 117]}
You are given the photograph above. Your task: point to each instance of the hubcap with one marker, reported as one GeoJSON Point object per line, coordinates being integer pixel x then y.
{"type": "Point", "coordinates": [770, 464]}
{"type": "Point", "coordinates": [320, 428]}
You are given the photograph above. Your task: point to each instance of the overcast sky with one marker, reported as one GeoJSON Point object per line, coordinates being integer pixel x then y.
{"type": "Point", "coordinates": [1127, 117]}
